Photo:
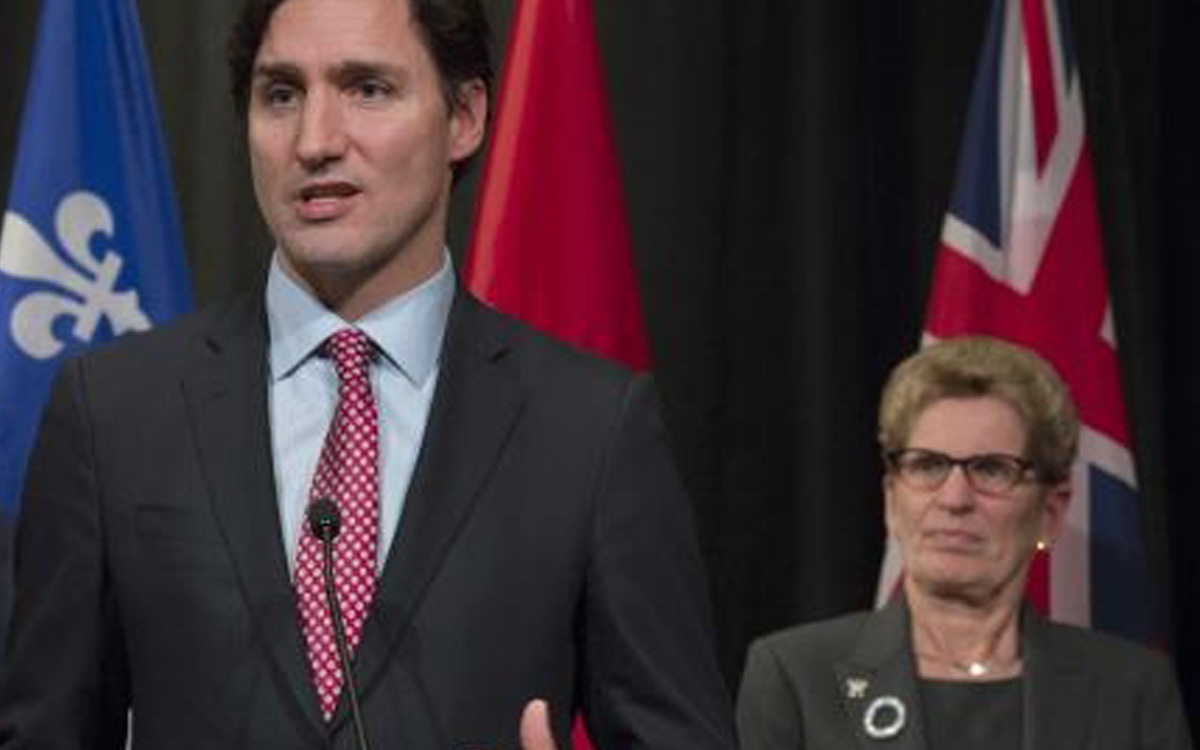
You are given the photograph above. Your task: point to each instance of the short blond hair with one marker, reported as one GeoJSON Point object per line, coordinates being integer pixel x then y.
{"type": "Point", "coordinates": [970, 366]}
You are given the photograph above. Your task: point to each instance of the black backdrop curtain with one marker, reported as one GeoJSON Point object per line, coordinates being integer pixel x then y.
{"type": "Point", "coordinates": [787, 163]}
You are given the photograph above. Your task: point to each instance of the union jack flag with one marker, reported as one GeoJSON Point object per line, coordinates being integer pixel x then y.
{"type": "Point", "coordinates": [1021, 258]}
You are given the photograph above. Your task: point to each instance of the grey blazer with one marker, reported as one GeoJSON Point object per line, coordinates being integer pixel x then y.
{"type": "Point", "coordinates": [811, 687]}
{"type": "Point", "coordinates": [545, 549]}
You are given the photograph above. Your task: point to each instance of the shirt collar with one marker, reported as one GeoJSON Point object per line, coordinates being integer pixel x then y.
{"type": "Point", "coordinates": [408, 330]}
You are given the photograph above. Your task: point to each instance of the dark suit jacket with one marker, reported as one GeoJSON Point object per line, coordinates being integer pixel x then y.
{"type": "Point", "coordinates": [1081, 689]}
{"type": "Point", "coordinates": [546, 549]}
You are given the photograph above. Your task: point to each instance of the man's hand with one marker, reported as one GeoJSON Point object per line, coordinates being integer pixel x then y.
{"type": "Point", "coordinates": [535, 727]}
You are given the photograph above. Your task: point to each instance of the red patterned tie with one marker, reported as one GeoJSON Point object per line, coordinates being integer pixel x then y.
{"type": "Point", "coordinates": [348, 474]}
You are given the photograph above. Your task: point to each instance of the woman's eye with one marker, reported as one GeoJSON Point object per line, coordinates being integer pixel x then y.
{"type": "Point", "coordinates": [928, 464]}
{"type": "Point", "coordinates": [991, 467]}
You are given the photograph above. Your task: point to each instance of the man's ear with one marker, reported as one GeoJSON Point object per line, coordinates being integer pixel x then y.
{"type": "Point", "coordinates": [468, 119]}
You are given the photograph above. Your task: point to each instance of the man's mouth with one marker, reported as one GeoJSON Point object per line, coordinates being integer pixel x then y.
{"type": "Point", "coordinates": [320, 190]}
{"type": "Point", "coordinates": [325, 201]}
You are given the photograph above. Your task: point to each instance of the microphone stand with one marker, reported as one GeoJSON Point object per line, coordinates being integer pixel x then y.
{"type": "Point", "coordinates": [325, 521]}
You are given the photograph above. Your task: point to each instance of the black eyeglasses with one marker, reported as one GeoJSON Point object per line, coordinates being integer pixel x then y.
{"type": "Point", "coordinates": [987, 473]}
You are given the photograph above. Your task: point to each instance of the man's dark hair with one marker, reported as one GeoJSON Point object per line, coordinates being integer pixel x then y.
{"type": "Point", "coordinates": [456, 33]}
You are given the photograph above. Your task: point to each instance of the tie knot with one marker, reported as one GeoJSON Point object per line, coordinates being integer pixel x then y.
{"type": "Point", "coordinates": [351, 351]}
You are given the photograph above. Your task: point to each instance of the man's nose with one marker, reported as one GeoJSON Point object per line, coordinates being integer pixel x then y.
{"type": "Point", "coordinates": [322, 135]}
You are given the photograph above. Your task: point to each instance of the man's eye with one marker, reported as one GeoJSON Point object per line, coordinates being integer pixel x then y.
{"type": "Point", "coordinates": [372, 90]}
{"type": "Point", "coordinates": [279, 95]}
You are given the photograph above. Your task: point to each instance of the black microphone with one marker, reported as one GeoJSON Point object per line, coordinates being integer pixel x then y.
{"type": "Point", "coordinates": [325, 521]}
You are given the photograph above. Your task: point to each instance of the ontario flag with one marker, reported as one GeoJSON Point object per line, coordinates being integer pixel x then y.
{"type": "Point", "coordinates": [1021, 259]}
{"type": "Point", "coordinates": [551, 242]}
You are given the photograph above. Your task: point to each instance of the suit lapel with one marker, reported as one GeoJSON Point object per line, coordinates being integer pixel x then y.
{"type": "Point", "coordinates": [473, 412]}
{"type": "Point", "coordinates": [1060, 690]}
{"type": "Point", "coordinates": [226, 395]}
{"type": "Point", "coordinates": [877, 683]}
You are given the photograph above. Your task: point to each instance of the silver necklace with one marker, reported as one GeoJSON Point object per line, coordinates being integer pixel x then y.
{"type": "Point", "coordinates": [976, 668]}
{"type": "Point", "coordinates": [973, 668]}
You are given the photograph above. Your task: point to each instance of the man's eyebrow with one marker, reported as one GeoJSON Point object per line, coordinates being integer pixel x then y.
{"type": "Point", "coordinates": [364, 68]}
{"type": "Point", "coordinates": [277, 71]}
{"type": "Point", "coordinates": [347, 70]}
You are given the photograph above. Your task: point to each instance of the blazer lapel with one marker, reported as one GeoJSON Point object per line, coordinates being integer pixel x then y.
{"type": "Point", "coordinates": [226, 394]}
{"type": "Point", "coordinates": [474, 409]}
{"type": "Point", "coordinates": [878, 684]}
{"type": "Point", "coordinates": [1060, 690]}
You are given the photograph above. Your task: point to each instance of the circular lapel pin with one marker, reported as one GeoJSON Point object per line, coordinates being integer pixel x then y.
{"type": "Point", "coordinates": [884, 718]}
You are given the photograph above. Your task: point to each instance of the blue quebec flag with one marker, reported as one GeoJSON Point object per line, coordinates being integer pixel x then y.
{"type": "Point", "coordinates": [90, 246]}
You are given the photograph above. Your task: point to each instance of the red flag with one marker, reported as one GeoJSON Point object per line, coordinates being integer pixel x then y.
{"type": "Point", "coordinates": [1021, 258]}
{"type": "Point", "coordinates": [551, 240]}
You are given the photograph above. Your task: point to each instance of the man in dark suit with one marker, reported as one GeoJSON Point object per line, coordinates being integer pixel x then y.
{"type": "Point", "coordinates": [512, 524]}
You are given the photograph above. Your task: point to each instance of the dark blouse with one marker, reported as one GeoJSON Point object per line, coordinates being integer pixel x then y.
{"type": "Point", "coordinates": [978, 715]}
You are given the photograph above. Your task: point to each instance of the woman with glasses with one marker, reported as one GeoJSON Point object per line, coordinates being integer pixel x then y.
{"type": "Point", "coordinates": [978, 440]}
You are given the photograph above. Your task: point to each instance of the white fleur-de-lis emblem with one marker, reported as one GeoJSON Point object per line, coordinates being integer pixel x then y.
{"type": "Point", "coordinates": [85, 292]}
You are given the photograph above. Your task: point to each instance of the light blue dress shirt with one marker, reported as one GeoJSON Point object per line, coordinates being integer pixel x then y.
{"type": "Point", "coordinates": [408, 332]}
